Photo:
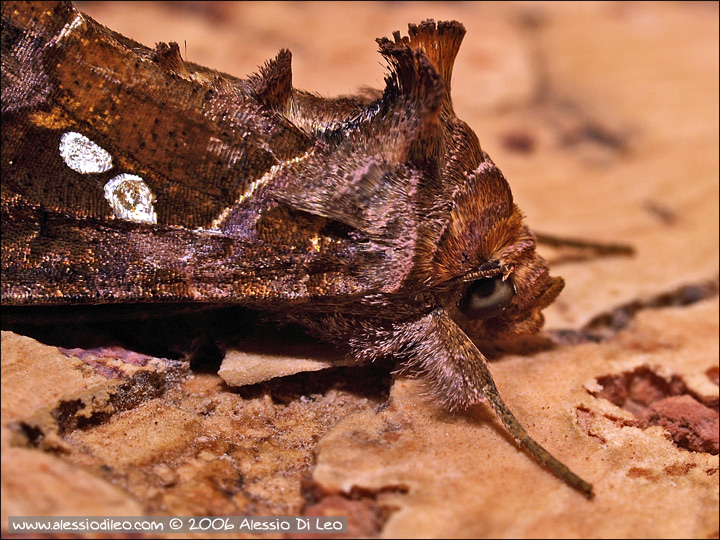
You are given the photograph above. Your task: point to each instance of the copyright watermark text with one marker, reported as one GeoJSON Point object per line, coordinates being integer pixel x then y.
{"type": "Point", "coordinates": [179, 524]}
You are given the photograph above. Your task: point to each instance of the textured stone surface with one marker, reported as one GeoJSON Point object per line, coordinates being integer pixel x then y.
{"type": "Point", "coordinates": [463, 476]}
{"type": "Point", "coordinates": [241, 368]}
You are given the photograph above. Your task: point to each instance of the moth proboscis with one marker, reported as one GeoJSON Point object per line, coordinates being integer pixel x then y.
{"type": "Point", "coordinates": [376, 221]}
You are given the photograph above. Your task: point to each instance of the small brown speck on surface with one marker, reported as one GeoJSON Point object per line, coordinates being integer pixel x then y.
{"type": "Point", "coordinates": [713, 374]}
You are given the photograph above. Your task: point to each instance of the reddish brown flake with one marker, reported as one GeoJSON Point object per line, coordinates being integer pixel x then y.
{"type": "Point", "coordinates": [691, 424]}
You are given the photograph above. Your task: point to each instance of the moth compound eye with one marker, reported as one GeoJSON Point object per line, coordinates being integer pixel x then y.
{"type": "Point", "coordinates": [487, 298]}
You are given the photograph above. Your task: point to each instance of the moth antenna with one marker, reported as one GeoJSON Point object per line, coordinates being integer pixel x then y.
{"type": "Point", "coordinates": [273, 85]}
{"type": "Point", "coordinates": [522, 438]}
{"type": "Point", "coordinates": [459, 376]}
{"type": "Point", "coordinates": [168, 57]}
{"type": "Point", "coordinates": [600, 249]}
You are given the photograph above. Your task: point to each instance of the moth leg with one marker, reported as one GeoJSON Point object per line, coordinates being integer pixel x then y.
{"type": "Point", "coordinates": [459, 376]}
{"type": "Point", "coordinates": [600, 249]}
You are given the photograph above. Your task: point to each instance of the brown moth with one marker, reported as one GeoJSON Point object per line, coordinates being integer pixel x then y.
{"type": "Point", "coordinates": [376, 221]}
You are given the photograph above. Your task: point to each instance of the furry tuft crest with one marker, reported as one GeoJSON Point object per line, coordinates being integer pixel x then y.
{"type": "Point", "coordinates": [273, 85]}
{"type": "Point", "coordinates": [439, 42]}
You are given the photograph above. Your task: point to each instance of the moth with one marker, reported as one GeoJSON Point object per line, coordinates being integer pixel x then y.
{"type": "Point", "coordinates": [376, 221]}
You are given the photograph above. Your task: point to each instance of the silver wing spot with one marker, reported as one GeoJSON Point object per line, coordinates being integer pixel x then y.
{"type": "Point", "coordinates": [130, 198]}
{"type": "Point", "coordinates": [82, 155]}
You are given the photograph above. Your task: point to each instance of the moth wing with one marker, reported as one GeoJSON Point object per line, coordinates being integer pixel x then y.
{"type": "Point", "coordinates": [118, 159]}
{"type": "Point", "coordinates": [379, 171]}
{"type": "Point", "coordinates": [130, 175]}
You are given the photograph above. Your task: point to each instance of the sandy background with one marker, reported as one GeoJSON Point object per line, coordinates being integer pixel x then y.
{"type": "Point", "coordinates": [604, 119]}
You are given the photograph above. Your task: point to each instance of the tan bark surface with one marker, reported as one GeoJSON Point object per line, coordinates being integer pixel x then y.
{"type": "Point", "coordinates": [604, 119]}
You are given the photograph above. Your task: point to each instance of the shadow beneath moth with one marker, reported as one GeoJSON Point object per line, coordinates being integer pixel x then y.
{"type": "Point", "coordinates": [376, 221]}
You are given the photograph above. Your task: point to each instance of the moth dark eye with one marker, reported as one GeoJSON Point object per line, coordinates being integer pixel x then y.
{"type": "Point", "coordinates": [487, 298]}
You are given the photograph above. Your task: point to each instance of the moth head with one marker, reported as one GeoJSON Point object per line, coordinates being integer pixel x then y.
{"type": "Point", "coordinates": [473, 250]}
{"type": "Point", "coordinates": [506, 300]}
{"type": "Point", "coordinates": [495, 282]}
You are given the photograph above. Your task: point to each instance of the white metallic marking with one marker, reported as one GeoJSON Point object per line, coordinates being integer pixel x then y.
{"type": "Point", "coordinates": [82, 155]}
{"type": "Point", "coordinates": [223, 150]}
{"type": "Point", "coordinates": [215, 225]}
{"type": "Point", "coordinates": [130, 198]}
{"type": "Point", "coordinates": [69, 27]}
